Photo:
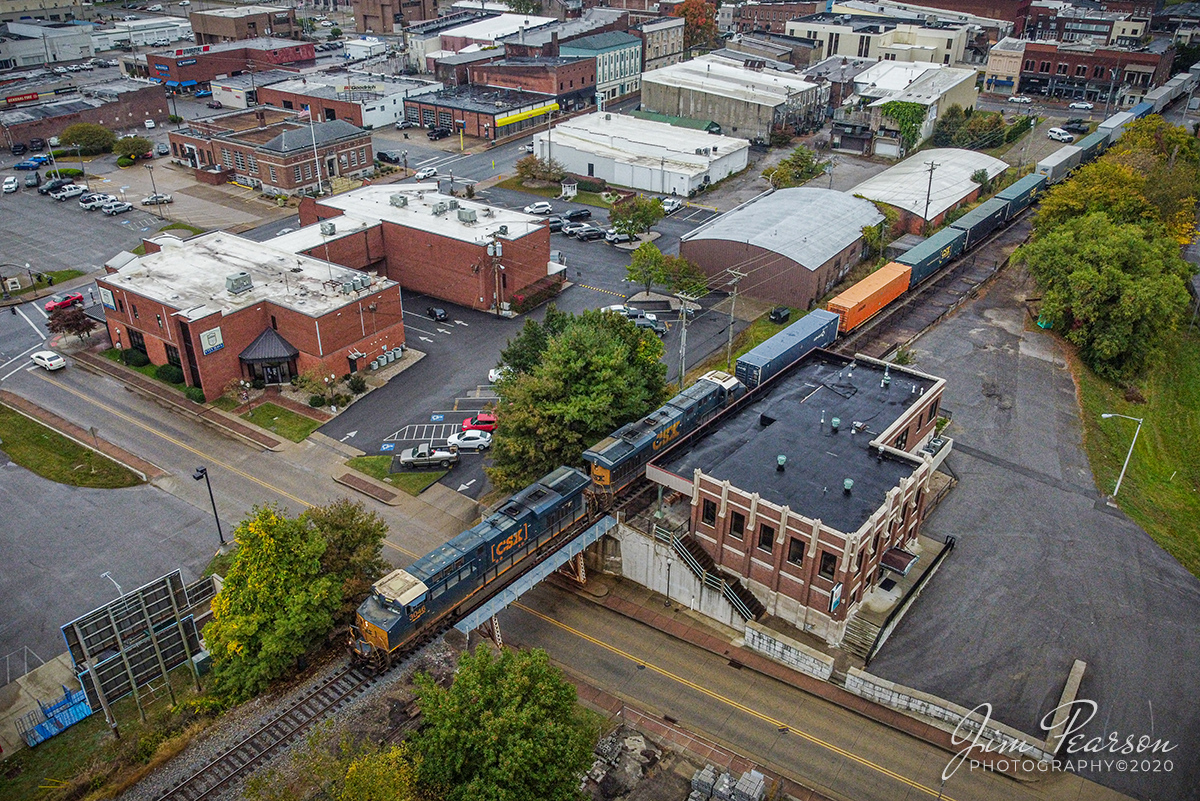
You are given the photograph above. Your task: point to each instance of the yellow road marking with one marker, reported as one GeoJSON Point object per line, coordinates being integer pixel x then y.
{"type": "Point", "coordinates": [207, 457]}
{"type": "Point", "coordinates": [605, 291]}
{"type": "Point", "coordinates": [741, 707]}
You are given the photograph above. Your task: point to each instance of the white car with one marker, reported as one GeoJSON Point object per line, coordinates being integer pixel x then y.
{"type": "Point", "coordinates": [428, 172]}
{"type": "Point", "coordinates": [541, 207]}
{"type": "Point", "coordinates": [11, 185]}
{"type": "Point", "coordinates": [1059, 135]}
{"type": "Point", "coordinates": [529, 147]}
{"type": "Point", "coordinates": [49, 360]}
{"type": "Point", "coordinates": [149, 125]}
{"type": "Point", "coordinates": [326, 23]}
{"type": "Point", "coordinates": [671, 205]}
{"type": "Point", "coordinates": [1082, 106]}
{"type": "Point", "coordinates": [67, 192]}
{"type": "Point", "coordinates": [1020, 99]}
{"type": "Point", "coordinates": [154, 200]}
{"type": "Point", "coordinates": [471, 440]}
{"type": "Point", "coordinates": [91, 202]}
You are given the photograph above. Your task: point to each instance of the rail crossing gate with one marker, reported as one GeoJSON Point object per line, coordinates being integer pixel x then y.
{"type": "Point", "coordinates": [129, 644]}
{"type": "Point", "coordinates": [568, 557]}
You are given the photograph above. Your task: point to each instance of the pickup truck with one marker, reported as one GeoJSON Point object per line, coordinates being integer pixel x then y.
{"type": "Point", "coordinates": [425, 455]}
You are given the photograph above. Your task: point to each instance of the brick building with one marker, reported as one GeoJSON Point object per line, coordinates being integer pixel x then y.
{"type": "Point", "coordinates": [273, 150]}
{"type": "Point", "coordinates": [390, 16]}
{"type": "Point", "coordinates": [244, 22]}
{"type": "Point", "coordinates": [1070, 24]}
{"type": "Point", "coordinates": [572, 81]}
{"type": "Point", "coordinates": [1084, 71]}
{"type": "Point", "coordinates": [772, 16]}
{"type": "Point", "coordinates": [1014, 11]}
{"type": "Point", "coordinates": [360, 99]}
{"type": "Point", "coordinates": [480, 110]}
{"type": "Point", "coordinates": [662, 42]}
{"type": "Point", "coordinates": [118, 105]}
{"type": "Point", "coordinates": [191, 66]}
{"type": "Point", "coordinates": [807, 492]}
{"type": "Point", "coordinates": [618, 61]}
{"type": "Point", "coordinates": [223, 308]}
{"type": "Point", "coordinates": [434, 244]}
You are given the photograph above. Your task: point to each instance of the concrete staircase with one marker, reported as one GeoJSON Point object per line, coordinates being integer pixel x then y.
{"type": "Point", "coordinates": [706, 570]}
{"type": "Point", "coordinates": [860, 636]}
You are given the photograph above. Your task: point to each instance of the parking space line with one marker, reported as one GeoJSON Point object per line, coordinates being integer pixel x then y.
{"type": "Point", "coordinates": [605, 291]}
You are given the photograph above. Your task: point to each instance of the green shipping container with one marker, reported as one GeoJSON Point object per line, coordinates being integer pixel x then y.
{"type": "Point", "coordinates": [933, 254]}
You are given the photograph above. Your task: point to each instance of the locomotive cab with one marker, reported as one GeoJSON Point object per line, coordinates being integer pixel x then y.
{"type": "Point", "coordinates": [385, 618]}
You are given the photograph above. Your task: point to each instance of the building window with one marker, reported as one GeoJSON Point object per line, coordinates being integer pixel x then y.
{"type": "Point", "coordinates": [828, 566]}
{"type": "Point", "coordinates": [1029, 65]}
{"type": "Point", "coordinates": [274, 324]}
{"type": "Point", "coordinates": [362, 155]}
{"type": "Point", "coordinates": [353, 158]}
{"type": "Point", "coordinates": [274, 176]}
{"type": "Point", "coordinates": [708, 513]}
{"type": "Point", "coordinates": [226, 159]}
{"type": "Point", "coordinates": [766, 537]}
{"type": "Point", "coordinates": [288, 105]}
{"type": "Point", "coordinates": [737, 525]}
{"type": "Point", "coordinates": [253, 164]}
{"type": "Point", "coordinates": [1081, 71]}
{"type": "Point", "coordinates": [121, 305]}
{"type": "Point", "coordinates": [1061, 70]}
{"type": "Point", "coordinates": [296, 173]}
{"type": "Point", "coordinates": [173, 356]}
{"type": "Point", "coordinates": [902, 440]}
{"type": "Point", "coordinates": [239, 161]}
{"type": "Point", "coordinates": [1044, 67]}
{"type": "Point", "coordinates": [1097, 71]}
{"type": "Point", "coordinates": [137, 341]}
{"type": "Point", "coordinates": [135, 311]}
{"type": "Point", "coordinates": [307, 171]}
{"type": "Point", "coordinates": [864, 46]}
{"type": "Point", "coordinates": [795, 551]}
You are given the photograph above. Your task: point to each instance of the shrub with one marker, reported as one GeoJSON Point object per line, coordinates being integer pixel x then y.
{"type": "Point", "coordinates": [124, 161]}
{"type": "Point", "coordinates": [537, 293]}
{"type": "Point", "coordinates": [194, 394]}
{"type": "Point", "coordinates": [342, 400]}
{"type": "Point", "coordinates": [357, 384]}
{"type": "Point", "coordinates": [169, 373]}
{"type": "Point", "coordinates": [135, 358]}
{"type": "Point", "coordinates": [174, 118]}
{"type": "Point", "coordinates": [316, 401]}
{"type": "Point", "coordinates": [470, 190]}
{"type": "Point", "coordinates": [258, 383]}
{"type": "Point", "coordinates": [67, 172]}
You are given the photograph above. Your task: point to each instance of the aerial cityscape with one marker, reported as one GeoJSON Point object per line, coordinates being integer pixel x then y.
{"type": "Point", "coordinates": [567, 400]}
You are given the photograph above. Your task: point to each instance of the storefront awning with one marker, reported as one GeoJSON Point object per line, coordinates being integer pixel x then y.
{"type": "Point", "coordinates": [172, 83]}
{"type": "Point", "coordinates": [269, 347]}
{"type": "Point", "coordinates": [898, 561]}
{"type": "Point", "coordinates": [188, 83]}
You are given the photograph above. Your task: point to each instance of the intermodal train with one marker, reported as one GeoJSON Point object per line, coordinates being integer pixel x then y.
{"type": "Point", "coordinates": [408, 603]}
{"type": "Point", "coordinates": [868, 297]}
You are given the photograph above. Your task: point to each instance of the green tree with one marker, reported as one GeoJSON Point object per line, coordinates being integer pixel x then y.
{"type": "Point", "coordinates": [353, 549]}
{"type": "Point", "coordinates": [525, 6]}
{"type": "Point", "coordinates": [981, 130]}
{"type": "Point", "coordinates": [71, 320]}
{"type": "Point", "coordinates": [646, 267]}
{"type": "Point", "coordinates": [275, 604]}
{"type": "Point", "coordinates": [523, 353]}
{"type": "Point", "coordinates": [132, 147]}
{"type": "Point", "coordinates": [508, 729]}
{"type": "Point", "coordinates": [798, 168]}
{"type": "Point", "coordinates": [532, 168]}
{"type": "Point", "coordinates": [335, 33]}
{"type": "Point", "coordinates": [908, 117]}
{"type": "Point", "coordinates": [388, 775]}
{"type": "Point", "coordinates": [683, 276]}
{"type": "Point", "coordinates": [1115, 290]}
{"type": "Point", "coordinates": [948, 125]}
{"type": "Point", "coordinates": [699, 22]}
{"type": "Point", "coordinates": [636, 215]}
{"type": "Point", "coordinates": [600, 372]}
{"type": "Point", "coordinates": [1102, 186]}
{"type": "Point", "coordinates": [93, 139]}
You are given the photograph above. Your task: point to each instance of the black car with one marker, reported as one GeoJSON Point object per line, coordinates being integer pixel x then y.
{"type": "Point", "coordinates": [54, 185]}
{"type": "Point", "coordinates": [589, 233]}
{"type": "Point", "coordinates": [437, 314]}
{"type": "Point", "coordinates": [37, 145]}
{"type": "Point", "coordinates": [780, 314]}
{"type": "Point", "coordinates": [556, 223]}
{"type": "Point", "coordinates": [33, 180]}
{"type": "Point", "coordinates": [575, 215]}
{"type": "Point", "coordinates": [1079, 126]}
{"type": "Point", "coordinates": [18, 148]}
{"type": "Point", "coordinates": [390, 156]}
{"type": "Point", "coordinates": [438, 133]}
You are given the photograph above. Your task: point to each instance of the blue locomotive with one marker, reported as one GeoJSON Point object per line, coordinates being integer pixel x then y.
{"type": "Point", "coordinates": [405, 602]}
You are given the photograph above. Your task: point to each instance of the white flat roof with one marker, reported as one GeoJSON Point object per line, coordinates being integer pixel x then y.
{"type": "Point", "coordinates": [634, 141]}
{"type": "Point", "coordinates": [190, 276]}
{"type": "Point", "coordinates": [718, 76]}
{"type": "Point", "coordinates": [375, 203]}
{"type": "Point", "coordinates": [890, 76]}
{"type": "Point", "coordinates": [906, 184]}
{"type": "Point", "coordinates": [930, 86]}
{"type": "Point", "coordinates": [242, 11]}
{"type": "Point", "coordinates": [492, 28]}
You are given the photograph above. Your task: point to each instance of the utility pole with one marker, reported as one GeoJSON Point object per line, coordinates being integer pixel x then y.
{"type": "Point", "coordinates": [737, 276]}
{"type": "Point", "coordinates": [933, 165]}
{"type": "Point", "coordinates": [684, 300]}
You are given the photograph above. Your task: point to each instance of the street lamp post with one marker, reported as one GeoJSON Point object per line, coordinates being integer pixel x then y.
{"type": "Point", "coordinates": [1125, 466]}
{"type": "Point", "coordinates": [154, 189]}
{"type": "Point", "coordinates": [202, 473]}
{"type": "Point", "coordinates": [668, 601]}
{"type": "Point", "coordinates": [79, 152]}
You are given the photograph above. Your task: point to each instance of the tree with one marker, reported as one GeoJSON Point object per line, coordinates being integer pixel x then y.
{"type": "Point", "coordinates": [132, 147]}
{"type": "Point", "coordinates": [532, 168]}
{"type": "Point", "coordinates": [637, 215]}
{"type": "Point", "coordinates": [93, 139]}
{"type": "Point", "coordinates": [525, 6]}
{"type": "Point", "coordinates": [794, 170]}
{"type": "Point", "coordinates": [600, 372]}
{"type": "Point", "coordinates": [388, 775]}
{"type": "Point", "coordinates": [508, 729]}
{"type": "Point", "coordinates": [948, 126]}
{"type": "Point", "coordinates": [982, 178]}
{"type": "Point", "coordinates": [275, 604]}
{"type": "Point", "coordinates": [1115, 290]}
{"type": "Point", "coordinates": [683, 276]}
{"type": "Point", "coordinates": [353, 549]}
{"type": "Point", "coordinates": [524, 352]}
{"type": "Point", "coordinates": [335, 33]}
{"type": "Point", "coordinates": [646, 267]}
{"type": "Point", "coordinates": [699, 22]}
{"type": "Point", "coordinates": [71, 320]}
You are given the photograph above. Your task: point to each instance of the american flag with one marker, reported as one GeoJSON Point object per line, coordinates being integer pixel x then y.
{"type": "Point", "coordinates": [304, 114]}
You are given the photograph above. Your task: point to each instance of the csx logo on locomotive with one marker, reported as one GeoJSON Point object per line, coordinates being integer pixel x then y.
{"type": "Point", "coordinates": [514, 540]}
{"type": "Point", "coordinates": [666, 435]}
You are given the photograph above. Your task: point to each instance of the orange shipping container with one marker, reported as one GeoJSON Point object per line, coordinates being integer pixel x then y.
{"type": "Point", "coordinates": [865, 299]}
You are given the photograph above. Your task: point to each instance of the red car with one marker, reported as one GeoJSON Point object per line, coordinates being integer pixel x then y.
{"type": "Point", "coordinates": [484, 421]}
{"type": "Point", "coordinates": [64, 301]}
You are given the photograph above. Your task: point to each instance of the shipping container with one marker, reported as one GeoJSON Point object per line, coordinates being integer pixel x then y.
{"type": "Point", "coordinates": [1161, 97]}
{"type": "Point", "coordinates": [1187, 79]}
{"type": "Point", "coordinates": [933, 254]}
{"type": "Point", "coordinates": [980, 221]}
{"type": "Point", "coordinates": [1142, 110]}
{"type": "Point", "coordinates": [817, 329]}
{"type": "Point", "coordinates": [1114, 125]}
{"type": "Point", "coordinates": [867, 298]}
{"type": "Point", "coordinates": [1059, 164]}
{"type": "Point", "coordinates": [1092, 146]}
{"type": "Point", "coordinates": [1020, 194]}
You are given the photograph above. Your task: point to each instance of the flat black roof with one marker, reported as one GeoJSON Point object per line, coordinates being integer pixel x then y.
{"type": "Point", "coordinates": [791, 416]}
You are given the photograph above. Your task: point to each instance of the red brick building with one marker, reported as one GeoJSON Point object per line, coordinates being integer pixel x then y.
{"type": "Point", "coordinates": [772, 16]}
{"type": "Point", "coordinates": [572, 81]}
{"type": "Point", "coordinates": [243, 22]}
{"type": "Point", "coordinates": [190, 66]}
{"type": "Point", "coordinates": [223, 308]}
{"type": "Point", "coordinates": [1014, 11]}
{"type": "Point", "coordinates": [118, 105]}
{"type": "Point", "coordinates": [485, 112]}
{"type": "Point", "coordinates": [434, 244]}
{"type": "Point", "coordinates": [1086, 72]}
{"type": "Point", "coordinates": [273, 150]}
{"type": "Point", "coordinates": [389, 16]}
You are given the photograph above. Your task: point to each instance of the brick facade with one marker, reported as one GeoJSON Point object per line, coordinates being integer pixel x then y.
{"type": "Point", "coordinates": [128, 110]}
{"type": "Point", "coordinates": [772, 17]}
{"type": "Point", "coordinates": [202, 63]}
{"type": "Point", "coordinates": [211, 27]}
{"type": "Point", "coordinates": [388, 16]}
{"type": "Point", "coordinates": [325, 108]}
{"type": "Point", "coordinates": [1086, 73]}
{"type": "Point", "coordinates": [572, 82]}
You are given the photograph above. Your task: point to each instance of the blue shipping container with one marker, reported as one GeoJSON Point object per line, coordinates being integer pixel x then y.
{"type": "Point", "coordinates": [933, 254]}
{"type": "Point", "coordinates": [815, 330]}
{"type": "Point", "coordinates": [1142, 110]}
{"type": "Point", "coordinates": [981, 220]}
{"type": "Point", "coordinates": [1020, 194]}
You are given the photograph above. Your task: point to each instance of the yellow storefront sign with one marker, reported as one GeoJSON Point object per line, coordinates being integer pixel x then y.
{"type": "Point", "coordinates": [526, 115]}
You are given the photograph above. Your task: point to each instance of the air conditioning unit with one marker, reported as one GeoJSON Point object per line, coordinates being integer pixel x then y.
{"type": "Point", "coordinates": [452, 203]}
{"type": "Point", "coordinates": [466, 215]}
{"type": "Point", "coordinates": [238, 282]}
{"type": "Point", "coordinates": [347, 287]}
{"type": "Point", "coordinates": [328, 229]}
{"type": "Point", "coordinates": [399, 201]}
{"type": "Point", "coordinates": [439, 209]}
{"type": "Point", "coordinates": [502, 230]}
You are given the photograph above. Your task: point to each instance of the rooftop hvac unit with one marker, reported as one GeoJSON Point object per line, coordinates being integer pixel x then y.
{"type": "Point", "coordinates": [347, 287]}
{"type": "Point", "coordinates": [358, 282]}
{"type": "Point", "coordinates": [328, 229]}
{"type": "Point", "coordinates": [399, 201]}
{"type": "Point", "coordinates": [466, 215]}
{"type": "Point", "coordinates": [453, 203]}
{"type": "Point", "coordinates": [440, 209]}
{"type": "Point", "coordinates": [502, 230]}
{"type": "Point", "coordinates": [237, 283]}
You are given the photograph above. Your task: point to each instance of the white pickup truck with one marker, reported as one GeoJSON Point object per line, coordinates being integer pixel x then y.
{"type": "Point", "coordinates": [425, 455]}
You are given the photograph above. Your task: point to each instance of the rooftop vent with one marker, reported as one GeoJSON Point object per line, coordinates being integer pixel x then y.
{"type": "Point", "coordinates": [502, 230]}
{"type": "Point", "coordinates": [847, 485]}
{"type": "Point", "coordinates": [328, 229]}
{"type": "Point", "coordinates": [466, 215]}
{"type": "Point", "coordinates": [399, 201]}
{"type": "Point", "coordinates": [440, 209]}
{"type": "Point", "coordinates": [239, 282]}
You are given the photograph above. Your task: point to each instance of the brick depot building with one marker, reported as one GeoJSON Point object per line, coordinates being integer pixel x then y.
{"type": "Point", "coordinates": [117, 105]}
{"type": "Point", "coordinates": [186, 67]}
{"type": "Point", "coordinates": [272, 150]}
{"type": "Point", "coordinates": [243, 22]}
{"type": "Point", "coordinates": [813, 538]}
{"type": "Point", "coordinates": [431, 243]}
{"type": "Point", "coordinates": [224, 308]}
